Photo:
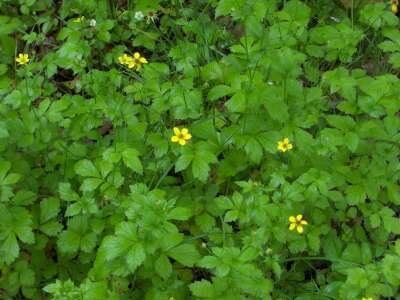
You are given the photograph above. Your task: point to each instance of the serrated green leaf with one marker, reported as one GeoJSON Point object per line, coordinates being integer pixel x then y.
{"type": "Point", "coordinates": [131, 160]}
{"type": "Point", "coordinates": [186, 254]}
{"type": "Point", "coordinates": [202, 289]}
{"type": "Point", "coordinates": [49, 208]}
{"type": "Point", "coordinates": [219, 91]}
{"type": "Point", "coordinates": [163, 266]}
{"type": "Point", "coordinates": [135, 257]}
{"type": "Point", "coordinates": [180, 213]}
{"type": "Point", "coordinates": [86, 168]}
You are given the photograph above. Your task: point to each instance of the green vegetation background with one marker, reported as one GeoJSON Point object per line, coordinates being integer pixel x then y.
{"type": "Point", "coordinates": [97, 202]}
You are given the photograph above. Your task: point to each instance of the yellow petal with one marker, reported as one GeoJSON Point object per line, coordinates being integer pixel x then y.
{"type": "Point", "coordinates": [177, 131]}
{"type": "Point", "coordinates": [303, 222]}
{"type": "Point", "coordinates": [292, 226]}
{"type": "Point", "coordinates": [286, 140]}
{"type": "Point", "coordinates": [182, 142]}
{"type": "Point", "coordinates": [299, 217]}
{"type": "Point", "coordinates": [121, 60]}
{"type": "Point", "coordinates": [143, 60]}
{"type": "Point", "coordinates": [300, 229]}
{"type": "Point", "coordinates": [187, 136]}
{"type": "Point", "coordinates": [136, 55]}
{"type": "Point", "coordinates": [292, 219]}
{"type": "Point", "coordinates": [184, 131]}
{"type": "Point", "coordinates": [289, 146]}
{"type": "Point", "coordinates": [174, 139]}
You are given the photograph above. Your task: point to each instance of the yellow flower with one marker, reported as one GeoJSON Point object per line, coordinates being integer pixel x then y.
{"type": "Point", "coordinates": [124, 59]}
{"type": "Point", "coordinates": [284, 145]}
{"type": "Point", "coordinates": [394, 8]}
{"type": "Point", "coordinates": [137, 61]}
{"type": "Point", "coordinates": [367, 298]}
{"type": "Point", "coordinates": [181, 136]}
{"type": "Point", "coordinates": [297, 223]}
{"type": "Point", "coordinates": [22, 59]}
{"type": "Point", "coordinates": [79, 19]}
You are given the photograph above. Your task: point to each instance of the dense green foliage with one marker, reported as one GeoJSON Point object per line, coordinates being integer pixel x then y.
{"type": "Point", "coordinates": [97, 201]}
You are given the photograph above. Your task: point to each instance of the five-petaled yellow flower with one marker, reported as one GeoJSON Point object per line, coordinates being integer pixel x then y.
{"type": "Point", "coordinates": [181, 136]}
{"type": "Point", "coordinates": [22, 59]}
{"type": "Point", "coordinates": [367, 298]}
{"type": "Point", "coordinates": [297, 223]}
{"type": "Point", "coordinates": [133, 62]}
{"type": "Point", "coordinates": [284, 145]}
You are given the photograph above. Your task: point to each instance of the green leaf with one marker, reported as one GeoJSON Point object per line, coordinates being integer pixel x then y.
{"type": "Point", "coordinates": [11, 178]}
{"type": "Point", "coordinates": [183, 162]}
{"type": "Point", "coordinates": [352, 253]}
{"type": "Point", "coordinates": [4, 168]}
{"type": "Point", "coordinates": [9, 249]}
{"type": "Point", "coordinates": [88, 242]}
{"type": "Point", "coordinates": [66, 193]}
{"type": "Point", "coordinates": [186, 254]}
{"type": "Point", "coordinates": [391, 269]}
{"type": "Point", "coordinates": [237, 103]}
{"type": "Point", "coordinates": [163, 266]}
{"type": "Point", "coordinates": [219, 91]}
{"type": "Point", "coordinates": [355, 194]}
{"type": "Point", "coordinates": [135, 257]}
{"type": "Point", "coordinates": [90, 184]}
{"type": "Point", "coordinates": [131, 160]}
{"type": "Point", "coordinates": [180, 213]}
{"type": "Point", "coordinates": [73, 209]}
{"type": "Point", "coordinates": [209, 262]}
{"type": "Point", "coordinates": [115, 246]}
{"type": "Point", "coordinates": [231, 215]}
{"type": "Point", "coordinates": [277, 109]}
{"type": "Point", "coordinates": [51, 228]}
{"type": "Point", "coordinates": [49, 208]}
{"type": "Point", "coordinates": [254, 150]}
{"type": "Point", "coordinates": [3, 130]}
{"type": "Point", "coordinates": [351, 139]}
{"type": "Point", "coordinates": [86, 168]}
{"type": "Point", "coordinates": [68, 241]}
{"type": "Point", "coordinates": [226, 7]}
{"type": "Point", "coordinates": [202, 289]}
{"type": "Point", "coordinates": [332, 246]}
{"type": "Point", "coordinates": [24, 198]}
{"type": "Point", "coordinates": [200, 169]}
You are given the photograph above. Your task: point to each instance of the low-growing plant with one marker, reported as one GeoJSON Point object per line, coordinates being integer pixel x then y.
{"type": "Point", "coordinates": [171, 149]}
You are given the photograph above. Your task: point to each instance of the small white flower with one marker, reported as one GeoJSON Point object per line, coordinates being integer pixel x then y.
{"type": "Point", "coordinates": [92, 22]}
{"type": "Point", "coordinates": [337, 20]}
{"type": "Point", "coordinates": [139, 15]}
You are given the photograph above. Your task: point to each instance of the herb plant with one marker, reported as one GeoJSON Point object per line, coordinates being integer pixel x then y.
{"type": "Point", "coordinates": [205, 149]}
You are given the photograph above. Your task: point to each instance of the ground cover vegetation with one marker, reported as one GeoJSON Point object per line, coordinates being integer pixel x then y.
{"type": "Point", "coordinates": [199, 149]}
